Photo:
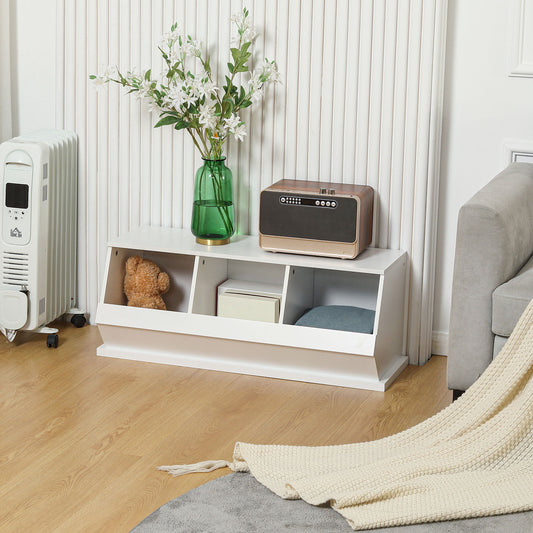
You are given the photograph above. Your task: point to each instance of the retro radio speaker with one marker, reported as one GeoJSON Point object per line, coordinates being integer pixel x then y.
{"type": "Point", "coordinates": [316, 218]}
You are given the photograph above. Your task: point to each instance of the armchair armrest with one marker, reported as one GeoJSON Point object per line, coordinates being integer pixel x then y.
{"type": "Point", "coordinates": [494, 240]}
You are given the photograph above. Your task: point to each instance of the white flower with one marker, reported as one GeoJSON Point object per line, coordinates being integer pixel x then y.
{"type": "Point", "coordinates": [270, 71]}
{"type": "Point", "coordinates": [152, 107]}
{"type": "Point", "coordinates": [254, 87]}
{"type": "Point", "coordinates": [168, 39]}
{"type": "Point", "coordinates": [205, 111]}
{"type": "Point", "coordinates": [245, 30]}
{"type": "Point", "coordinates": [234, 125]}
{"type": "Point", "coordinates": [146, 87]}
{"type": "Point", "coordinates": [175, 97]}
{"type": "Point", "coordinates": [257, 95]}
{"type": "Point", "coordinates": [196, 87]}
{"type": "Point", "coordinates": [111, 71]}
{"type": "Point", "coordinates": [232, 122]}
{"type": "Point", "coordinates": [249, 35]}
{"type": "Point", "coordinates": [240, 132]}
{"type": "Point", "coordinates": [238, 19]}
{"type": "Point", "coordinates": [99, 82]}
{"type": "Point", "coordinates": [188, 99]}
{"type": "Point", "coordinates": [175, 56]}
{"type": "Point", "coordinates": [220, 131]}
{"type": "Point", "coordinates": [207, 88]}
{"type": "Point", "coordinates": [192, 48]}
{"type": "Point", "coordinates": [207, 117]}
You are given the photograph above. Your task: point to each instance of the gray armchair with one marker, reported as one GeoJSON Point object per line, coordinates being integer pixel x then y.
{"type": "Point", "coordinates": [493, 272]}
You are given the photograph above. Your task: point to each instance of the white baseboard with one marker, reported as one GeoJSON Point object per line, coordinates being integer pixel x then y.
{"type": "Point", "coordinates": [439, 343]}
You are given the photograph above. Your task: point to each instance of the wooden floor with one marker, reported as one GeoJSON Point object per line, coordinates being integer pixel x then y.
{"type": "Point", "coordinates": [81, 436]}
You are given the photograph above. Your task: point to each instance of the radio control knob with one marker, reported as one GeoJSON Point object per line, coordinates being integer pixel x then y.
{"type": "Point", "coordinates": [323, 190]}
{"type": "Point", "coordinates": [332, 191]}
{"type": "Point", "coordinates": [317, 202]}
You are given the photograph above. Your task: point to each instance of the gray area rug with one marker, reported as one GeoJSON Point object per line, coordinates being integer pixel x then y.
{"type": "Point", "coordinates": [237, 503]}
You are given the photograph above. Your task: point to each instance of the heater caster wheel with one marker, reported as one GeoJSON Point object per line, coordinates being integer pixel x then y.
{"type": "Point", "coordinates": [52, 340]}
{"type": "Point", "coordinates": [78, 320]}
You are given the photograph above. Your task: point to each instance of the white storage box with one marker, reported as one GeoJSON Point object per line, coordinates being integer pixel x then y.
{"type": "Point", "coordinates": [249, 300]}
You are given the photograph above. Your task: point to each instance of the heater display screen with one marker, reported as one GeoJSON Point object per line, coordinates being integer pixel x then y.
{"type": "Point", "coordinates": [17, 195]}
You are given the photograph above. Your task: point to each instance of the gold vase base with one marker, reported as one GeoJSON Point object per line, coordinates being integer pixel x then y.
{"type": "Point", "coordinates": [212, 242]}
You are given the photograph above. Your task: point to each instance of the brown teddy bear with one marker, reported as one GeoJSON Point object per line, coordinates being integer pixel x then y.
{"type": "Point", "coordinates": [144, 283]}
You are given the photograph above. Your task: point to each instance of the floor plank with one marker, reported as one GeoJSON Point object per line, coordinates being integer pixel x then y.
{"type": "Point", "coordinates": [81, 436]}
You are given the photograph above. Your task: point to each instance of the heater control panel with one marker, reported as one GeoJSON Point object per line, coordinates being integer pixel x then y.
{"type": "Point", "coordinates": [16, 208]}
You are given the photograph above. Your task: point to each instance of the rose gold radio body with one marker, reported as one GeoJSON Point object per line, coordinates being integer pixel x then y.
{"type": "Point", "coordinates": [316, 218]}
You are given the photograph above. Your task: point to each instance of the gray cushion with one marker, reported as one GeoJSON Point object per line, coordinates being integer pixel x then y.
{"type": "Point", "coordinates": [341, 317]}
{"type": "Point", "coordinates": [510, 299]}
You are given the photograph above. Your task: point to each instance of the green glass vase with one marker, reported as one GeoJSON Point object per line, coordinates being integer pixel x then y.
{"type": "Point", "coordinates": [212, 211]}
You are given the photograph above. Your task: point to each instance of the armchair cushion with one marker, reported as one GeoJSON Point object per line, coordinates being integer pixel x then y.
{"type": "Point", "coordinates": [510, 300]}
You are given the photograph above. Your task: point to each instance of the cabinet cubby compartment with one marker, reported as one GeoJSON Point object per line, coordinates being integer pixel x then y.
{"type": "Point", "coordinates": [190, 334]}
{"type": "Point", "coordinates": [310, 287]}
{"type": "Point", "coordinates": [212, 271]}
{"type": "Point", "coordinates": [178, 267]}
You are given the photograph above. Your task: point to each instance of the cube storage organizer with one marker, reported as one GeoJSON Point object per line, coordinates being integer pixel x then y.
{"type": "Point", "coordinates": [190, 334]}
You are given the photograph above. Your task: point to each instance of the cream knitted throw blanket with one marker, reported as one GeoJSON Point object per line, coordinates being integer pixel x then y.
{"type": "Point", "coordinates": [474, 458]}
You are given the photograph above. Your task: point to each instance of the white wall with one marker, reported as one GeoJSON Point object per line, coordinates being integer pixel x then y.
{"type": "Point", "coordinates": [33, 68]}
{"type": "Point", "coordinates": [483, 107]}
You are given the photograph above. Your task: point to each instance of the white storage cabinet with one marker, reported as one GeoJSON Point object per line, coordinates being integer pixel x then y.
{"type": "Point", "coordinates": [190, 334]}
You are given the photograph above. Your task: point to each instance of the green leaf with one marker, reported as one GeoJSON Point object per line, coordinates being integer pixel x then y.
{"type": "Point", "coordinates": [227, 107]}
{"type": "Point", "coordinates": [165, 121]}
{"type": "Point", "coordinates": [92, 77]}
{"type": "Point", "coordinates": [181, 125]}
{"type": "Point", "coordinates": [235, 53]}
{"type": "Point", "coordinates": [147, 74]}
{"type": "Point", "coordinates": [230, 68]}
{"type": "Point", "coordinates": [246, 103]}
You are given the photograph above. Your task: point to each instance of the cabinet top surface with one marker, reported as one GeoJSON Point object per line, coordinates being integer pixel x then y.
{"type": "Point", "coordinates": [246, 248]}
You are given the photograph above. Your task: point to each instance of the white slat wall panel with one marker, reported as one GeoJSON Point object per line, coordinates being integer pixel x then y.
{"type": "Point", "coordinates": [360, 102]}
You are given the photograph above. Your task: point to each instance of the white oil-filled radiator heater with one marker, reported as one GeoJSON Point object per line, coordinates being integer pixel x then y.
{"type": "Point", "coordinates": [38, 242]}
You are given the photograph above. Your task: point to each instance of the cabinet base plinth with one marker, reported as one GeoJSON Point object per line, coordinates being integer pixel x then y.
{"type": "Point", "coordinates": [294, 364]}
